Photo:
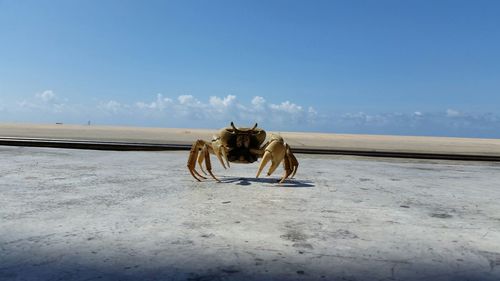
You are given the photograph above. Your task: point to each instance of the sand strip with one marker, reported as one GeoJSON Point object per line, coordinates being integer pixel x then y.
{"type": "Point", "coordinates": [140, 138]}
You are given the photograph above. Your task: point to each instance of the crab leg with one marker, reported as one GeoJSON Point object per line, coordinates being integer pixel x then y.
{"type": "Point", "coordinates": [200, 152]}
{"type": "Point", "coordinates": [224, 155]}
{"type": "Point", "coordinates": [212, 149]}
{"type": "Point", "coordinates": [218, 150]}
{"type": "Point", "coordinates": [208, 165]}
{"type": "Point", "coordinates": [293, 161]}
{"type": "Point", "coordinates": [193, 154]}
{"type": "Point", "coordinates": [198, 174]}
{"type": "Point", "coordinates": [290, 164]}
{"type": "Point", "coordinates": [287, 167]}
{"type": "Point", "coordinates": [201, 158]}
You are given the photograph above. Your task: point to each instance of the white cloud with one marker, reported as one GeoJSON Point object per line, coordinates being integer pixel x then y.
{"type": "Point", "coordinates": [258, 102]}
{"type": "Point", "coordinates": [223, 106]}
{"type": "Point", "coordinates": [224, 102]}
{"type": "Point", "coordinates": [312, 111]}
{"type": "Point", "coordinates": [46, 101]}
{"type": "Point", "coordinates": [228, 108]}
{"type": "Point", "coordinates": [452, 113]}
{"type": "Point", "coordinates": [287, 107]}
{"type": "Point", "coordinates": [46, 96]}
{"type": "Point", "coordinates": [111, 106]}
{"type": "Point", "coordinates": [159, 104]}
{"type": "Point", "coordinates": [218, 111]}
{"type": "Point", "coordinates": [188, 100]}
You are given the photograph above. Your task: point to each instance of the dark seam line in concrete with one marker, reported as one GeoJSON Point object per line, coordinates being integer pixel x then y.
{"type": "Point", "coordinates": [131, 146]}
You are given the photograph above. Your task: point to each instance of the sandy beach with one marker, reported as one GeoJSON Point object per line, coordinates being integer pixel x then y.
{"type": "Point", "coordinates": [377, 143]}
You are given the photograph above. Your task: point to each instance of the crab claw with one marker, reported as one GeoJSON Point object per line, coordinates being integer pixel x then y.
{"type": "Point", "coordinates": [220, 151]}
{"type": "Point", "coordinates": [278, 151]}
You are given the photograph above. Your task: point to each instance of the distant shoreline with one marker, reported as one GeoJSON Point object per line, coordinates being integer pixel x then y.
{"type": "Point", "coordinates": [351, 144]}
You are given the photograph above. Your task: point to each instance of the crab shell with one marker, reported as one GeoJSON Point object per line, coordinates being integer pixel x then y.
{"type": "Point", "coordinates": [242, 142]}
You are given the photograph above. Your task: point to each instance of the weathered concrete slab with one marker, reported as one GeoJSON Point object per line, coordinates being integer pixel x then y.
{"type": "Point", "coordinates": [94, 215]}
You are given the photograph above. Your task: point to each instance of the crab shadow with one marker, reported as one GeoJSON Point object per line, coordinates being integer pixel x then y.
{"type": "Point", "coordinates": [271, 181]}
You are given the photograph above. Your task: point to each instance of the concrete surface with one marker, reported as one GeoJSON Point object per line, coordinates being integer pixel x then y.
{"type": "Point", "coordinates": [104, 215]}
{"type": "Point", "coordinates": [370, 143]}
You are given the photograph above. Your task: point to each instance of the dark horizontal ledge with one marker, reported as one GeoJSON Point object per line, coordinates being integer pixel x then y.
{"type": "Point", "coordinates": [89, 144]}
{"type": "Point", "coordinates": [134, 146]}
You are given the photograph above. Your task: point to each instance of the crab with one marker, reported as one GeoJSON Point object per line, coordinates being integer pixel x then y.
{"type": "Point", "coordinates": [242, 145]}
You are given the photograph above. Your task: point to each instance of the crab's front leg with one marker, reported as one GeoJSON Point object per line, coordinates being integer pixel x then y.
{"type": "Point", "coordinates": [276, 151]}
{"type": "Point", "coordinates": [205, 148]}
{"type": "Point", "coordinates": [220, 151]}
{"type": "Point", "coordinates": [217, 148]}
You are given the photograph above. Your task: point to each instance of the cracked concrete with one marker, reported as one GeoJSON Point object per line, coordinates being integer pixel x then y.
{"type": "Point", "coordinates": [104, 215]}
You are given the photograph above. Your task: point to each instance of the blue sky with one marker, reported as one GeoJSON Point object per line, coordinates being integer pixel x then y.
{"type": "Point", "coordinates": [374, 67]}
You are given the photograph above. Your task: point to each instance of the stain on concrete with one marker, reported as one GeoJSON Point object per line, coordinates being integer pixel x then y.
{"type": "Point", "coordinates": [441, 215]}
